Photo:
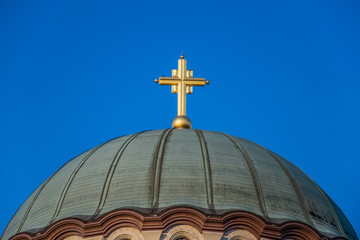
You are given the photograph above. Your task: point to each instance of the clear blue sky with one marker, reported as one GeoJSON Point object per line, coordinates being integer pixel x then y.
{"type": "Point", "coordinates": [285, 74]}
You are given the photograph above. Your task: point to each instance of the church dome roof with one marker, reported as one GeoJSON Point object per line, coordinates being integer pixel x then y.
{"type": "Point", "coordinates": [152, 171]}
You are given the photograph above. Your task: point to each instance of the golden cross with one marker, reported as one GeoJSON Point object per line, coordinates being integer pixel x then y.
{"type": "Point", "coordinates": [182, 83]}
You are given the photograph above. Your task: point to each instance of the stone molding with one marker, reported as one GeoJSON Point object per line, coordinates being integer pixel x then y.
{"type": "Point", "coordinates": [238, 235]}
{"type": "Point", "coordinates": [126, 233]}
{"type": "Point", "coordinates": [74, 238]}
{"type": "Point", "coordinates": [186, 231]}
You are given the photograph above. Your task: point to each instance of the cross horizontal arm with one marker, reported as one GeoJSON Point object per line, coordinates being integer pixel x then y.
{"type": "Point", "coordinates": [187, 81]}
{"type": "Point", "coordinates": [194, 81]}
{"type": "Point", "coordinates": [169, 81]}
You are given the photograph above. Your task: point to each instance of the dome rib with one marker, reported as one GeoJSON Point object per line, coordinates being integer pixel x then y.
{"type": "Point", "coordinates": [32, 203]}
{"type": "Point", "coordinates": [110, 173]}
{"type": "Point", "coordinates": [68, 183]}
{"type": "Point", "coordinates": [37, 195]}
{"type": "Point", "coordinates": [294, 185]}
{"type": "Point", "coordinates": [207, 170]}
{"type": "Point", "coordinates": [8, 226]}
{"type": "Point", "coordinates": [158, 159]}
{"type": "Point", "coordinates": [338, 223]}
{"type": "Point", "coordinates": [345, 224]}
{"type": "Point", "coordinates": [253, 173]}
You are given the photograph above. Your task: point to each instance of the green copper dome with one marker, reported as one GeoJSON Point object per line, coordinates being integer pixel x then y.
{"type": "Point", "coordinates": [154, 170]}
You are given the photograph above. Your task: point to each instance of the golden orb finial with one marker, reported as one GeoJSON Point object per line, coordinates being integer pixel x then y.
{"type": "Point", "coordinates": [182, 56]}
{"type": "Point", "coordinates": [181, 122]}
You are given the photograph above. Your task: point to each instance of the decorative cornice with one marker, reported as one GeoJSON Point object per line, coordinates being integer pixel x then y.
{"type": "Point", "coordinates": [168, 218]}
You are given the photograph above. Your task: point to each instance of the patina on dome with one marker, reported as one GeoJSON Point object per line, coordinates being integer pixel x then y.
{"type": "Point", "coordinates": [154, 170]}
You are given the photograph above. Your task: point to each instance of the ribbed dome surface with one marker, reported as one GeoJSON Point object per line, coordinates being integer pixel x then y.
{"type": "Point", "coordinates": [154, 170]}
